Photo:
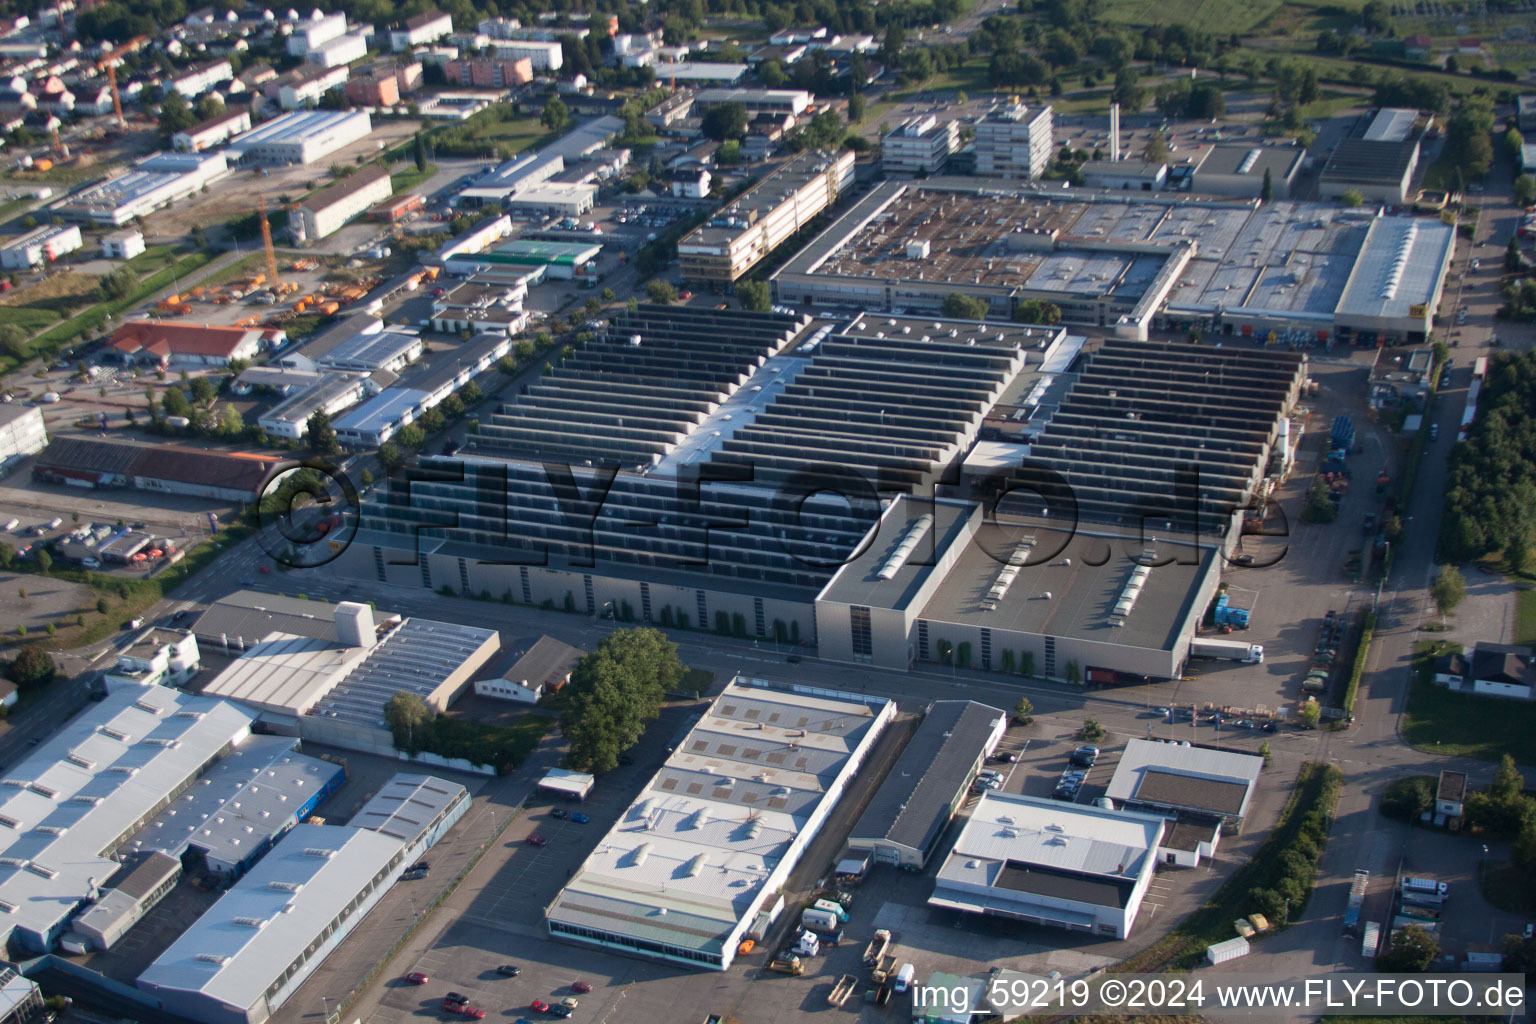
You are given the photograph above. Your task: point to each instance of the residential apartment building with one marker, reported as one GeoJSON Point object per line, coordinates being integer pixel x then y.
{"type": "Point", "coordinates": [338, 52]}
{"type": "Point", "coordinates": [212, 132]}
{"type": "Point", "coordinates": [1015, 142]}
{"type": "Point", "coordinates": [426, 27]}
{"type": "Point", "coordinates": [489, 72]}
{"type": "Point", "coordinates": [199, 78]}
{"type": "Point", "coordinates": [309, 34]}
{"type": "Point", "coordinates": [737, 238]}
{"type": "Point", "coordinates": [919, 145]}
{"type": "Point", "coordinates": [544, 56]}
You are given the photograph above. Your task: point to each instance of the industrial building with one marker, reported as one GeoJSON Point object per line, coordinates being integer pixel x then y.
{"type": "Point", "coordinates": [1307, 273]}
{"type": "Point", "coordinates": [1227, 170]}
{"type": "Point", "coordinates": [1045, 862]}
{"type": "Point", "coordinates": [919, 145]}
{"type": "Point", "coordinates": [1378, 161]}
{"type": "Point", "coordinates": [39, 246]}
{"type": "Point", "coordinates": [382, 416]}
{"type": "Point", "coordinates": [1015, 142]}
{"type": "Point", "coordinates": [166, 468]}
{"type": "Point", "coordinates": [756, 101]}
{"type": "Point", "coordinates": [913, 807]}
{"type": "Point", "coordinates": [318, 215]}
{"type": "Point", "coordinates": [478, 305]}
{"type": "Point", "coordinates": [241, 960]}
{"type": "Point", "coordinates": [543, 669]}
{"type": "Point", "coordinates": [742, 233]}
{"type": "Point", "coordinates": [415, 809]}
{"type": "Point", "coordinates": [491, 188]}
{"type": "Point", "coordinates": [212, 132]}
{"type": "Point", "coordinates": [553, 199]}
{"type": "Point", "coordinates": [81, 794]}
{"type": "Point", "coordinates": [1125, 175]}
{"type": "Point", "coordinates": [239, 620]}
{"type": "Point", "coordinates": [155, 656]}
{"type": "Point", "coordinates": [154, 182]}
{"type": "Point", "coordinates": [887, 400]}
{"type": "Point", "coordinates": [22, 432]}
{"type": "Point", "coordinates": [360, 343]}
{"type": "Point", "coordinates": [697, 862]}
{"type": "Point", "coordinates": [330, 395]}
{"type": "Point", "coordinates": [1191, 783]}
{"type": "Point", "coordinates": [557, 260]}
{"type": "Point", "coordinates": [199, 78]}
{"type": "Point", "coordinates": [301, 137]}
{"type": "Point", "coordinates": [134, 889]}
{"type": "Point", "coordinates": [334, 692]}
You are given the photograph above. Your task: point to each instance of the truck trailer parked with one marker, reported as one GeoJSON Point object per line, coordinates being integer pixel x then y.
{"type": "Point", "coordinates": [1228, 650]}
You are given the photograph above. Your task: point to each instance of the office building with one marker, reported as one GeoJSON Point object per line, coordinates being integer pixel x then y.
{"type": "Point", "coordinates": [919, 145]}
{"type": "Point", "coordinates": [307, 35]}
{"type": "Point", "coordinates": [122, 245]}
{"type": "Point", "coordinates": [1015, 142]}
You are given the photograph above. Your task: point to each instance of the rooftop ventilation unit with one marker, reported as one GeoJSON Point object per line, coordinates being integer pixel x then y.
{"type": "Point", "coordinates": [217, 959]}
{"type": "Point", "coordinates": [251, 922]}
{"type": "Point", "coordinates": [319, 851]}
{"type": "Point", "coordinates": [1010, 570]}
{"type": "Point", "coordinates": [916, 531]}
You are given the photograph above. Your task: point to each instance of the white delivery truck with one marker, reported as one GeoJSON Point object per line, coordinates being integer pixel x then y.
{"type": "Point", "coordinates": [904, 977]}
{"type": "Point", "coordinates": [1229, 650]}
{"type": "Point", "coordinates": [1426, 886]}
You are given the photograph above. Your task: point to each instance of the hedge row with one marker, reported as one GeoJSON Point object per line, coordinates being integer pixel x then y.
{"type": "Point", "coordinates": [1358, 668]}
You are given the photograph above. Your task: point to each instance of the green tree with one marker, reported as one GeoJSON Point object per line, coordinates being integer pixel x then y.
{"type": "Point", "coordinates": [1449, 589]}
{"type": "Point", "coordinates": [390, 455]}
{"type": "Point", "coordinates": [420, 152]}
{"type": "Point", "coordinates": [724, 121]}
{"type": "Point", "coordinates": [661, 292]}
{"type": "Point", "coordinates": [44, 561]}
{"type": "Point", "coordinates": [1319, 507]}
{"type": "Point", "coordinates": [555, 115]}
{"type": "Point", "coordinates": [756, 296]}
{"type": "Point", "coordinates": [175, 115]}
{"type": "Point", "coordinates": [1036, 311]}
{"type": "Point", "coordinates": [1352, 197]}
{"type": "Point", "coordinates": [856, 108]}
{"type": "Point", "coordinates": [203, 391]}
{"type": "Point", "coordinates": [1267, 190]}
{"type": "Point", "coordinates": [13, 342]}
{"type": "Point", "coordinates": [1072, 673]}
{"type": "Point", "coordinates": [772, 74]}
{"type": "Point", "coordinates": [1027, 664]}
{"type": "Point", "coordinates": [412, 436]}
{"type": "Point", "coordinates": [1128, 91]}
{"type": "Point", "coordinates": [320, 434]}
{"type": "Point", "coordinates": [31, 667]}
{"type": "Point", "coordinates": [960, 306]}
{"type": "Point", "coordinates": [7, 554]}
{"type": "Point", "coordinates": [1525, 190]}
{"type": "Point", "coordinates": [1157, 149]}
{"type": "Point", "coordinates": [614, 693]}
{"type": "Point", "coordinates": [408, 717]}
{"type": "Point", "coordinates": [1091, 730]}
{"type": "Point", "coordinates": [1413, 950]}
{"type": "Point", "coordinates": [1311, 713]}
{"type": "Point", "coordinates": [1023, 712]}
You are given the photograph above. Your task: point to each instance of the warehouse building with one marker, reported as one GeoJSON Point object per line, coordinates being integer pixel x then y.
{"type": "Point", "coordinates": [793, 102]}
{"type": "Point", "coordinates": [126, 758]}
{"type": "Point", "coordinates": [154, 182]}
{"type": "Point", "coordinates": [301, 137]}
{"type": "Point", "coordinates": [493, 187]}
{"type": "Point", "coordinates": [382, 416]}
{"type": "Point", "coordinates": [553, 199]}
{"type": "Point", "coordinates": [528, 676]}
{"type": "Point", "coordinates": [391, 348]}
{"type": "Point", "coordinates": [1378, 161]}
{"type": "Point", "coordinates": [335, 692]}
{"type": "Point", "coordinates": [415, 809]}
{"type": "Point", "coordinates": [166, 468]}
{"type": "Point", "coordinates": [705, 848]}
{"type": "Point", "coordinates": [745, 231]}
{"type": "Point", "coordinates": [247, 955]}
{"type": "Point", "coordinates": [1194, 783]}
{"type": "Point", "coordinates": [156, 657]}
{"type": "Point", "coordinates": [1125, 175]}
{"type": "Point", "coordinates": [239, 620]}
{"type": "Point", "coordinates": [330, 395]}
{"type": "Point", "coordinates": [39, 246]}
{"type": "Point", "coordinates": [1226, 170]}
{"type": "Point", "coordinates": [479, 305]}
{"type": "Point", "coordinates": [1130, 263]}
{"type": "Point", "coordinates": [558, 260]}
{"type": "Point", "coordinates": [22, 432]}
{"type": "Point", "coordinates": [927, 785]}
{"type": "Point", "coordinates": [919, 145]}
{"type": "Point", "coordinates": [1053, 864]}
{"type": "Point", "coordinates": [212, 132]}
{"type": "Point", "coordinates": [318, 215]}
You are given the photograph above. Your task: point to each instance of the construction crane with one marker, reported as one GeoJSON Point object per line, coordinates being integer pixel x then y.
{"type": "Point", "coordinates": [108, 62]}
{"type": "Point", "coordinates": [266, 241]}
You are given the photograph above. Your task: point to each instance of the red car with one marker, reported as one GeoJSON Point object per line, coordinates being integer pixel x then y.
{"type": "Point", "coordinates": [464, 1010]}
{"type": "Point", "coordinates": [537, 840]}
{"type": "Point", "coordinates": [581, 986]}
{"type": "Point", "coordinates": [417, 978]}
{"type": "Point", "coordinates": [539, 1006]}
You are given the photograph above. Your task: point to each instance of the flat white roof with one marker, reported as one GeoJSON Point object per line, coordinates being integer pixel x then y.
{"type": "Point", "coordinates": [246, 940]}
{"type": "Point", "coordinates": [1191, 777]}
{"type": "Point", "coordinates": [1391, 124]}
{"type": "Point", "coordinates": [71, 799]}
{"type": "Point", "coordinates": [690, 857]}
{"type": "Point", "coordinates": [374, 349]}
{"type": "Point", "coordinates": [1068, 837]}
{"type": "Point", "coordinates": [1399, 267]}
{"type": "Point", "coordinates": [298, 127]}
{"type": "Point", "coordinates": [285, 673]}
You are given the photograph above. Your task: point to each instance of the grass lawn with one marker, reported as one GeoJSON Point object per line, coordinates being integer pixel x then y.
{"type": "Point", "coordinates": [970, 77]}
{"type": "Point", "coordinates": [1461, 725]}
{"type": "Point", "coordinates": [518, 133]}
{"type": "Point", "coordinates": [1219, 17]}
{"type": "Point", "coordinates": [409, 178]}
{"type": "Point", "coordinates": [152, 259]}
{"type": "Point", "coordinates": [1525, 616]}
{"type": "Point", "coordinates": [67, 175]}
{"type": "Point", "coordinates": [14, 207]}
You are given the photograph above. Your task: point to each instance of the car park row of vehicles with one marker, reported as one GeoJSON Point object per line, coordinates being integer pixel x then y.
{"type": "Point", "coordinates": [457, 1004]}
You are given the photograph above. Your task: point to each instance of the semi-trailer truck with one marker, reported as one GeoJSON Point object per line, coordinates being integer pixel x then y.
{"type": "Point", "coordinates": [1229, 650]}
{"type": "Point", "coordinates": [1357, 890]}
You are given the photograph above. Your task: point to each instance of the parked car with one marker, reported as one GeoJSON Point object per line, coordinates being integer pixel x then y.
{"type": "Point", "coordinates": [509, 970]}
{"type": "Point", "coordinates": [581, 986]}
{"type": "Point", "coordinates": [417, 978]}
{"type": "Point", "coordinates": [558, 812]}
{"type": "Point", "coordinates": [537, 840]}
{"type": "Point", "coordinates": [455, 998]}
{"type": "Point", "coordinates": [539, 1006]}
{"type": "Point", "coordinates": [580, 818]}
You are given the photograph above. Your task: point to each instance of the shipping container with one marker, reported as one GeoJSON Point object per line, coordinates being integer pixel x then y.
{"type": "Point", "coordinates": [1231, 949]}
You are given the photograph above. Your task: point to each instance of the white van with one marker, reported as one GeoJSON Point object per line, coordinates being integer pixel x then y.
{"type": "Point", "coordinates": [91, 563]}
{"type": "Point", "coordinates": [11, 524]}
{"type": "Point", "coordinates": [904, 977]}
